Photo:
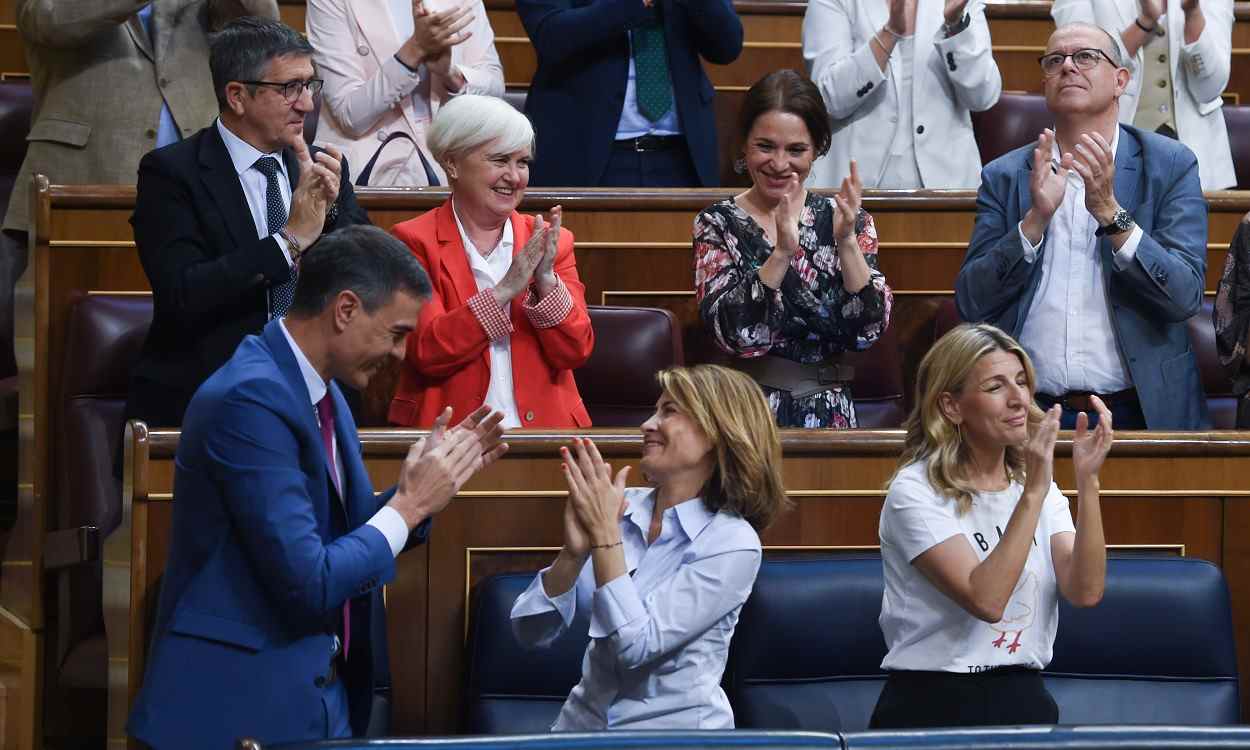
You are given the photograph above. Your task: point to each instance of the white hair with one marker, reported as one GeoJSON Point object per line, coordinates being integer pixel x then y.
{"type": "Point", "coordinates": [470, 121]}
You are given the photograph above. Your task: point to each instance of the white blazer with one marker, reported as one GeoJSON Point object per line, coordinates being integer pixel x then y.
{"type": "Point", "coordinates": [1199, 74]}
{"type": "Point", "coordinates": [950, 78]}
{"type": "Point", "coordinates": [367, 94]}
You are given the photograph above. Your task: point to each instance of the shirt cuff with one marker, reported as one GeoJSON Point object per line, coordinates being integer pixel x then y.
{"type": "Point", "coordinates": [388, 521]}
{"type": "Point", "coordinates": [1128, 251]}
{"type": "Point", "coordinates": [1030, 250]}
{"type": "Point", "coordinates": [535, 601]}
{"type": "Point", "coordinates": [285, 247]}
{"type": "Point", "coordinates": [492, 317]}
{"type": "Point", "coordinates": [616, 604]}
{"type": "Point", "coordinates": [551, 309]}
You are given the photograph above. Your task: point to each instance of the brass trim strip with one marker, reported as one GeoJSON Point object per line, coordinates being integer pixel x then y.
{"type": "Point", "coordinates": [91, 243]}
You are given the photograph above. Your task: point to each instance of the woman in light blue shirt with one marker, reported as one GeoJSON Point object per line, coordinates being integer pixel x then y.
{"type": "Point", "coordinates": [663, 571]}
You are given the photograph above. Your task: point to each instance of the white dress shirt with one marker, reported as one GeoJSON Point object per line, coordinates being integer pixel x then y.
{"type": "Point", "coordinates": [488, 271]}
{"type": "Point", "coordinates": [1068, 331]}
{"type": "Point", "coordinates": [387, 520]}
{"type": "Point", "coordinates": [256, 186]}
{"type": "Point", "coordinates": [659, 635]}
{"type": "Point", "coordinates": [901, 170]}
{"type": "Point", "coordinates": [633, 122]}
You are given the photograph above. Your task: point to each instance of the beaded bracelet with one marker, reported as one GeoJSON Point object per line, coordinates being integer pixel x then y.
{"type": "Point", "coordinates": [618, 543]}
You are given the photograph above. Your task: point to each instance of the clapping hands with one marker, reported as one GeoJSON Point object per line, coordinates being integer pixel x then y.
{"type": "Point", "coordinates": [536, 261]}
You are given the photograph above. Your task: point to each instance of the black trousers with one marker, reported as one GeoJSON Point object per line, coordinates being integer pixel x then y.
{"type": "Point", "coordinates": [1003, 696]}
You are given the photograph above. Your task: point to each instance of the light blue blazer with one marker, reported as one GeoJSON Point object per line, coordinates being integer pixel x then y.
{"type": "Point", "coordinates": [1156, 180]}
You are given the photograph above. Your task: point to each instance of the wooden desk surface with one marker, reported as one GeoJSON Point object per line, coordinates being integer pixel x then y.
{"type": "Point", "coordinates": [1172, 493]}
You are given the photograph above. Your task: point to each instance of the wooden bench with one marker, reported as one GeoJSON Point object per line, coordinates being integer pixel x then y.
{"type": "Point", "coordinates": [1168, 493]}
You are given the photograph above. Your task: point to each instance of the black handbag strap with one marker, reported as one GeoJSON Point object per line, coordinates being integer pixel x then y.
{"type": "Point", "coordinates": [431, 176]}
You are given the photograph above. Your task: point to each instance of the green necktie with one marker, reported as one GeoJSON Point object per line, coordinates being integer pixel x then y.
{"type": "Point", "coordinates": [652, 86]}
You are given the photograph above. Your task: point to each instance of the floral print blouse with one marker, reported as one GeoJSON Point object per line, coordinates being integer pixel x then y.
{"type": "Point", "coordinates": [809, 319]}
{"type": "Point", "coordinates": [1231, 312]}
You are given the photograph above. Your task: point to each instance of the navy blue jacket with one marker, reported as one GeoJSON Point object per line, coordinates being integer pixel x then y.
{"type": "Point", "coordinates": [577, 93]}
{"type": "Point", "coordinates": [262, 555]}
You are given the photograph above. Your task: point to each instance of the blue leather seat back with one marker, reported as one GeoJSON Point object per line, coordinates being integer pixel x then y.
{"type": "Point", "coordinates": [808, 648]}
{"type": "Point", "coordinates": [1055, 738]}
{"type": "Point", "coordinates": [514, 689]}
{"type": "Point", "coordinates": [1158, 649]}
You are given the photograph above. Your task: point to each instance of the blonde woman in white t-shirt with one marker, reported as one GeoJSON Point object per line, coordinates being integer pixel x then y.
{"type": "Point", "coordinates": [978, 542]}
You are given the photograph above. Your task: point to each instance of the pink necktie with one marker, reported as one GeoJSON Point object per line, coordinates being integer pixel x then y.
{"type": "Point", "coordinates": [325, 414]}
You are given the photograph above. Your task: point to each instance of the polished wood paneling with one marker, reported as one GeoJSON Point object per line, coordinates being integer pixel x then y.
{"type": "Point", "coordinates": [1175, 490]}
{"type": "Point", "coordinates": [12, 52]}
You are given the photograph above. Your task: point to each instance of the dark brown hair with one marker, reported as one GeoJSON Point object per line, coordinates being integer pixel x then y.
{"type": "Point", "coordinates": [787, 91]}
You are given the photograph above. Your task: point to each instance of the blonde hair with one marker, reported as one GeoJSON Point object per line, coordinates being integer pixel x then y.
{"type": "Point", "coordinates": [730, 409]}
{"type": "Point", "coordinates": [931, 436]}
{"type": "Point", "coordinates": [470, 121]}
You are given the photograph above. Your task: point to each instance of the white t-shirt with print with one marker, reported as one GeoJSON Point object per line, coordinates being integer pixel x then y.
{"type": "Point", "coordinates": [925, 629]}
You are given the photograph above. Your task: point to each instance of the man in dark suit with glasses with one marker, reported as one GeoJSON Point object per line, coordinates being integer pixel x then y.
{"type": "Point", "coordinates": [222, 217]}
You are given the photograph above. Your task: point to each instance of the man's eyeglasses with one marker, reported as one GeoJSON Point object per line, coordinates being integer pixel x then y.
{"type": "Point", "coordinates": [291, 90]}
{"type": "Point", "coordinates": [1083, 59]}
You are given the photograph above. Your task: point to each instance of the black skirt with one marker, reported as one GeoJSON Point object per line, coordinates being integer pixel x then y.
{"type": "Point", "coordinates": [1003, 696]}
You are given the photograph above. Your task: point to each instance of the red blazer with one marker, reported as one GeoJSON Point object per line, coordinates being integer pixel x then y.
{"type": "Point", "coordinates": [448, 356]}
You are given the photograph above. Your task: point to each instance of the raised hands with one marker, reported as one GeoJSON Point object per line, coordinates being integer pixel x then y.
{"type": "Point", "coordinates": [1039, 453]}
{"type": "Point", "coordinates": [438, 465]}
{"type": "Point", "coordinates": [953, 10]}
{"type": "Point", "coordinates": [545, 272]}
{"type": "Point", "coordinates": [1047, 184]}
{"type": "Point", "coordinates": [847, 202]}
{"type": "Point", "coordinates": [536, 261]}
{"type": "Point", "coordinates": [1095, 163]}
{"type": "Point", "coordinates": [434, 34]}
{"type": "Point", "coordinates": [1090, 447]}
{"type": "Point", "coordinates": [316, 190]}
{"type": "Point", "coordinates": [786, 215]}
{"type": "Point", "coordinates": [902, 19]}
{"type": "Point", "coordinates": [596, 497]}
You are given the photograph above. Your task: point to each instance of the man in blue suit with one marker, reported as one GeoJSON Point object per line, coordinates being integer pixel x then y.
{"type": "Point", "coordinates": [1090, 247]}
{"type": "Point", "coordinates": [620, 98]}
{"type": "Point", "coordinates": [279, 545]}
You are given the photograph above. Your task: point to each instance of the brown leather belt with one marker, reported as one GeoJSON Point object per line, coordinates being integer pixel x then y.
{"type": "Point", "coordinates": [1080, 400]}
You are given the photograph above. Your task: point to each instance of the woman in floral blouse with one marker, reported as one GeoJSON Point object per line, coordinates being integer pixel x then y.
{"type": "Point", "coordinates": [787, 279]}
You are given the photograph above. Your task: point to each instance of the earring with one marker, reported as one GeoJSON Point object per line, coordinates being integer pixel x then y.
{"type": "Point", "coordinates": [740, 165]}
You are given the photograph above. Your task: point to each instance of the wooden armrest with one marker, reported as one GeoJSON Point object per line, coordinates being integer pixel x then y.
{"type": "Point", "coordinates": [66, 547]}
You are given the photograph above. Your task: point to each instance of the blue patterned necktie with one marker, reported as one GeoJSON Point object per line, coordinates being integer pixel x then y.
{"type": "Point", "coordinates": [652, 85]}
{"type": "Point", "coordinates": [280, 296]}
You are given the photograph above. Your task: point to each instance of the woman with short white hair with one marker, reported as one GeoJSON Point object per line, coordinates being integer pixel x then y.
{"type": "Point", "coordinates": [507, 322]}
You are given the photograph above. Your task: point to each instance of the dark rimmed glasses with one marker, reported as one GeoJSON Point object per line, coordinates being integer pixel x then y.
{"type": "Point", "coordinates": [1083, 59]}
{"type": "Point", "coordinates": [291, 90]}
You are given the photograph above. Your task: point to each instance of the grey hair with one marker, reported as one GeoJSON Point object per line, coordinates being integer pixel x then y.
{"type": "Point", "coordinates": [1113, 44]}
{"type": "Point", "coordinates": [470, 121]}
{"type": "Point", "coordinates": [243, 49]}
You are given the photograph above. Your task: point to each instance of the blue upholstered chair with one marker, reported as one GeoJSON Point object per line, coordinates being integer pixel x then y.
{"type": "Point", "coordinates": [1055, 738]}
{"type": "Point", "coordinates": [1157, 650]}
{"type": "Point", "coordinates": [513, 689]}
{"type": "Point", "coordinates": [807, 649]}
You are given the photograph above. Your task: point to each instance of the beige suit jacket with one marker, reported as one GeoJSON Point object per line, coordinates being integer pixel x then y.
{"type": "Point", "coordinates": [98, 81]}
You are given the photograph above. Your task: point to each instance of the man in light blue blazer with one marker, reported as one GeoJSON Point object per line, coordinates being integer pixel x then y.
{"type": "Point", "coordinates": [279, 546]}
{"type": "Point", "coordinates": [1090, 247]}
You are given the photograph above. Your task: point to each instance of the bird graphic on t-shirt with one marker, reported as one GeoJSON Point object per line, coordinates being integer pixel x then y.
{"type": "Point", "coordinates": [1018, 615]}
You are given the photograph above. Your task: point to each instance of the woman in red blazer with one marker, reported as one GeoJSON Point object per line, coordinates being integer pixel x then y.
{"type": "Point", "coordinates": [507, 323]}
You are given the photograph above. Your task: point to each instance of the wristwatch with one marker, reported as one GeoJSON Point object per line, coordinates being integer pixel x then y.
{"type": "Point", "coordinates": [1121, 221]}
{"type": "Point", "coordinates": [951, 29]}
